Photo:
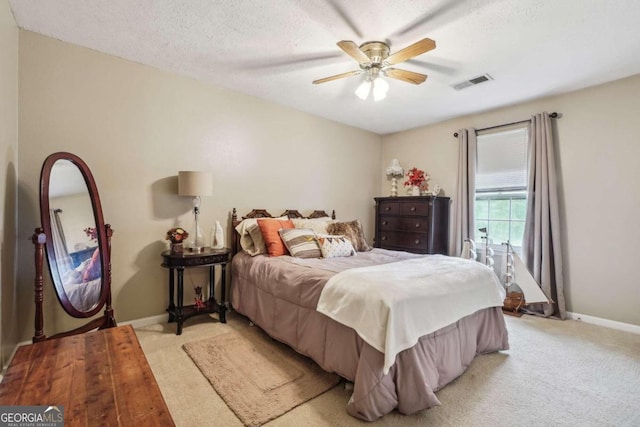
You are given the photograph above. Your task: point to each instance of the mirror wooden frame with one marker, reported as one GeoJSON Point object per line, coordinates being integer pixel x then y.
{"type": "Point", "coordinates": [41, 241]}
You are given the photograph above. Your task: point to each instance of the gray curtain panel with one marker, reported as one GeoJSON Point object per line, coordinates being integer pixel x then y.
{"type": "Point", "coordinates": [541, 245]}
{"type": "Point", "coordinates": [464, 221]}
{"type": "Point", "coordinates": [63, 259]}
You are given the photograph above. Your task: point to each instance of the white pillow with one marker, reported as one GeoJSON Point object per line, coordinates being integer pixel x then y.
{"type": "Point", "coordinates": [335, 246]}
{"type": "Point", "coordinates": [251, 240]}
{"type": "Point", "coordinates": [259, 246]}
{"type": "Point", "coordinates": [318, 225]}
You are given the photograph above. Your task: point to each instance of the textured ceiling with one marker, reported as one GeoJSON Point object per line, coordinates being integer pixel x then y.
{"type": "Point", "coordinates": [273, 49]}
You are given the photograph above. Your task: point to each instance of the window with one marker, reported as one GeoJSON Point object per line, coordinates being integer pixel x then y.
{"type": "Point", "coordinates": [501, 185]}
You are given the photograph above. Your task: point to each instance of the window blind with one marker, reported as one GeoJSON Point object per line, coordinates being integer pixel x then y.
{"type": "Point", "coordinates": [502, 160]}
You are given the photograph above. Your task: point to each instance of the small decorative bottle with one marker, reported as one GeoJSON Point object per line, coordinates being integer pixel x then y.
{"type": "Point", "coordinates": [218, 237]}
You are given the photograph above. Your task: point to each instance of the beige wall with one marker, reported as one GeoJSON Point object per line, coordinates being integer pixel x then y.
{"type": "Point", "coordinates": [8, 178]}
{"type": "Point", "coordinates": [136, 127]}
{"type": "Point", "coordinates": [598, 150]}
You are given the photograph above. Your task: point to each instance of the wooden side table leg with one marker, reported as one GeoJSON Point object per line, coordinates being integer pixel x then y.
{"type": "Point", "coordinates": [223, 284]}
{"type": "Point", "coordinates": [172, 307]}
{"type": "Point", "coordinates": [179, 317]}
{"type": "Point", "coordinates": [212, 281]}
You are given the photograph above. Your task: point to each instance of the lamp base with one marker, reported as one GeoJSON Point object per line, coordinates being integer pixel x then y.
{"type": "Point", "coordinates": [195, 243]}
{"type": "Point", "coordinates": [195, 249]}
{"type": "Point", "coordinates": [394, 187]}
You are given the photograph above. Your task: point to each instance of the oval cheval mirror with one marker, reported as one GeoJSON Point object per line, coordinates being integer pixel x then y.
{"type": "Point", "coordinates": [77, 242]}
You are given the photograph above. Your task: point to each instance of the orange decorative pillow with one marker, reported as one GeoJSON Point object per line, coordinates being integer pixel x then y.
{"type": "Point", "coordinates": [269, 229]}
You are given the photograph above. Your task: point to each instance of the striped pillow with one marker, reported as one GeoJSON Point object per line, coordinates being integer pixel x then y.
{"type": "Point", "coordinates": [301, 242]}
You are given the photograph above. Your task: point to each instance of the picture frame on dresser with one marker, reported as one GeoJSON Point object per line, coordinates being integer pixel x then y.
{"type": "Point", "coordinates": [417, 224]}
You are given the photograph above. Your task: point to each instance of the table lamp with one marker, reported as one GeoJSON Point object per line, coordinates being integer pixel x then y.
{"type": "Point", "coordinates": [394, 172]}
{"type": "Point", "coordinates": [195, 184]}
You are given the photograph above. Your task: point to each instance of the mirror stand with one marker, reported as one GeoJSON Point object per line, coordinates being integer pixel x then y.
{"type": "Point", "coordinates": [77, 244]}
{"type": "Point", "coordinates": [108, 320]}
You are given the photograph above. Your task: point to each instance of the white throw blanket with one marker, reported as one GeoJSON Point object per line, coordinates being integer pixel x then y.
{"type": "Point", "coordinates": [391, 306]}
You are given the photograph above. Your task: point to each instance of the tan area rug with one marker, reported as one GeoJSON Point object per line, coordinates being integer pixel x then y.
{"type": "Point", "coordinates": [259, 378]}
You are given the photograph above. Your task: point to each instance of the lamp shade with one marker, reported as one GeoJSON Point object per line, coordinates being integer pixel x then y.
{"type": "Point", "coordinates": [192, 183]}
{"type": "Point", "coordinates": [395, 170]}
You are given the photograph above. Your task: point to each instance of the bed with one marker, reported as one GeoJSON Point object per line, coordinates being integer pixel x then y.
{"type": "Point", "coordinates": [83, 284]}
{"type": "Point", "coordinates": [282, 296]}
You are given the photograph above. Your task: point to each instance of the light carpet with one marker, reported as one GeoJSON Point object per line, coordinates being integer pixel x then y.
{"type": "Point", "coordinates": [560, 373]}
{"type": "Point", "coordinates": [259, 378]}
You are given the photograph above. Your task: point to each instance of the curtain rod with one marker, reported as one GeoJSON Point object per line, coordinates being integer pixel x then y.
{"type": "Point", "coordinates": [553, 115]}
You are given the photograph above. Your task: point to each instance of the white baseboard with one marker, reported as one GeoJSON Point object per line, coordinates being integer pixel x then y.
{"type": "Point", "coordinates": [627, 327]}
{"type": "Point", "coordinates": [145, 321]}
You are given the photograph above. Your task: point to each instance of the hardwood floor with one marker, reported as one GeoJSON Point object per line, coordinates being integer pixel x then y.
{"type": "Point", "coordinates": [99, 378]}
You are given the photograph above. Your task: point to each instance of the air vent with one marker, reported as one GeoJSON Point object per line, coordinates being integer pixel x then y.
{"type": "Point", "coordinates": [471, 82]}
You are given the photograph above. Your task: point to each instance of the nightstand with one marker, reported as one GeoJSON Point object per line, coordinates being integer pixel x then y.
{"type": "Point", "coordinates": [176, 263]}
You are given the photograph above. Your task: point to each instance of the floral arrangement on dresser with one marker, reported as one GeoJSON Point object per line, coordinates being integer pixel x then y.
{"type": "Point", "coordinates": [177, 235]}
{"type": "Point", "coordinates": [417, 181]}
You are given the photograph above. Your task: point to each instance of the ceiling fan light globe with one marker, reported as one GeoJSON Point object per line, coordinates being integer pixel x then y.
{"type": "Point", "coordinates": [380, 89]}
{"type": "Point", "coordinates": [381, 84]}
{"type": "Point", "coordinates": [363, 90]}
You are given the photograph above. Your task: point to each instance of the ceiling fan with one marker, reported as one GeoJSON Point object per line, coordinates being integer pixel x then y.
{"type": "Point", "coordinates": [375, 62]}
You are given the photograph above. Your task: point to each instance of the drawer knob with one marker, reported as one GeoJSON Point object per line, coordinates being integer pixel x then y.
{"type": "Point", "coordinates": [413, 209]}
{"type": "Point", "coordinates": [417, 241]}
{"type": "Point", "coordinates": [384, 237]}
{"type": "Point", "coordinates": [384, 222]}
{"type": "Point", "coordinates": [417, 225]}
{"type": "Point", "coordinates": [387, 208]}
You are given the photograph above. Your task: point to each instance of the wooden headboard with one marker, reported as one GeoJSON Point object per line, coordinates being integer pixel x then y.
{"type": "Point", "coordinates": [262, 213]}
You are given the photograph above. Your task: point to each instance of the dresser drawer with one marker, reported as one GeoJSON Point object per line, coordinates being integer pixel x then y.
{"type": "Point", "coordinates": [420, 224]}
{"type": "Point", "coordinates": [389, 208]}
{"type": "Point", "coordinates": [419, 207]}
{"type": "Point", "coordinates": [389, 223]}
{"type": "Point", "coordinates": [412, 242]}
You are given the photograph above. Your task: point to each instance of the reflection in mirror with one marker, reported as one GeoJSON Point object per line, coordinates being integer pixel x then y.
{"type": "Point", "coordinates": [78, 245]}
{"type": "Point", "coordinates": [74, 237]}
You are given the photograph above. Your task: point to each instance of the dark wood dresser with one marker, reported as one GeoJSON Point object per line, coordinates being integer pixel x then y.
{"type": "Point", "coordinates": [418, 224]}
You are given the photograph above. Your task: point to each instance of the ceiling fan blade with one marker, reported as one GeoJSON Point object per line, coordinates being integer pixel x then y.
{"type": "Point", "coordinates": [352, 49]}
{"type": "Point", "coordinates": [418, 48]}
{"type": "Point", "coordinates": [336, 77]}
{"type": "Point", "coordinates": [339, 9]}
{"type": "Point", "coordinates": [432, 66]}
{"type": "Point", "coordinates": [287, 61]}
{"type": "Point", "coordinates": [405, 76]}
{"type": "Point", "coordinates": [435, 17]}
